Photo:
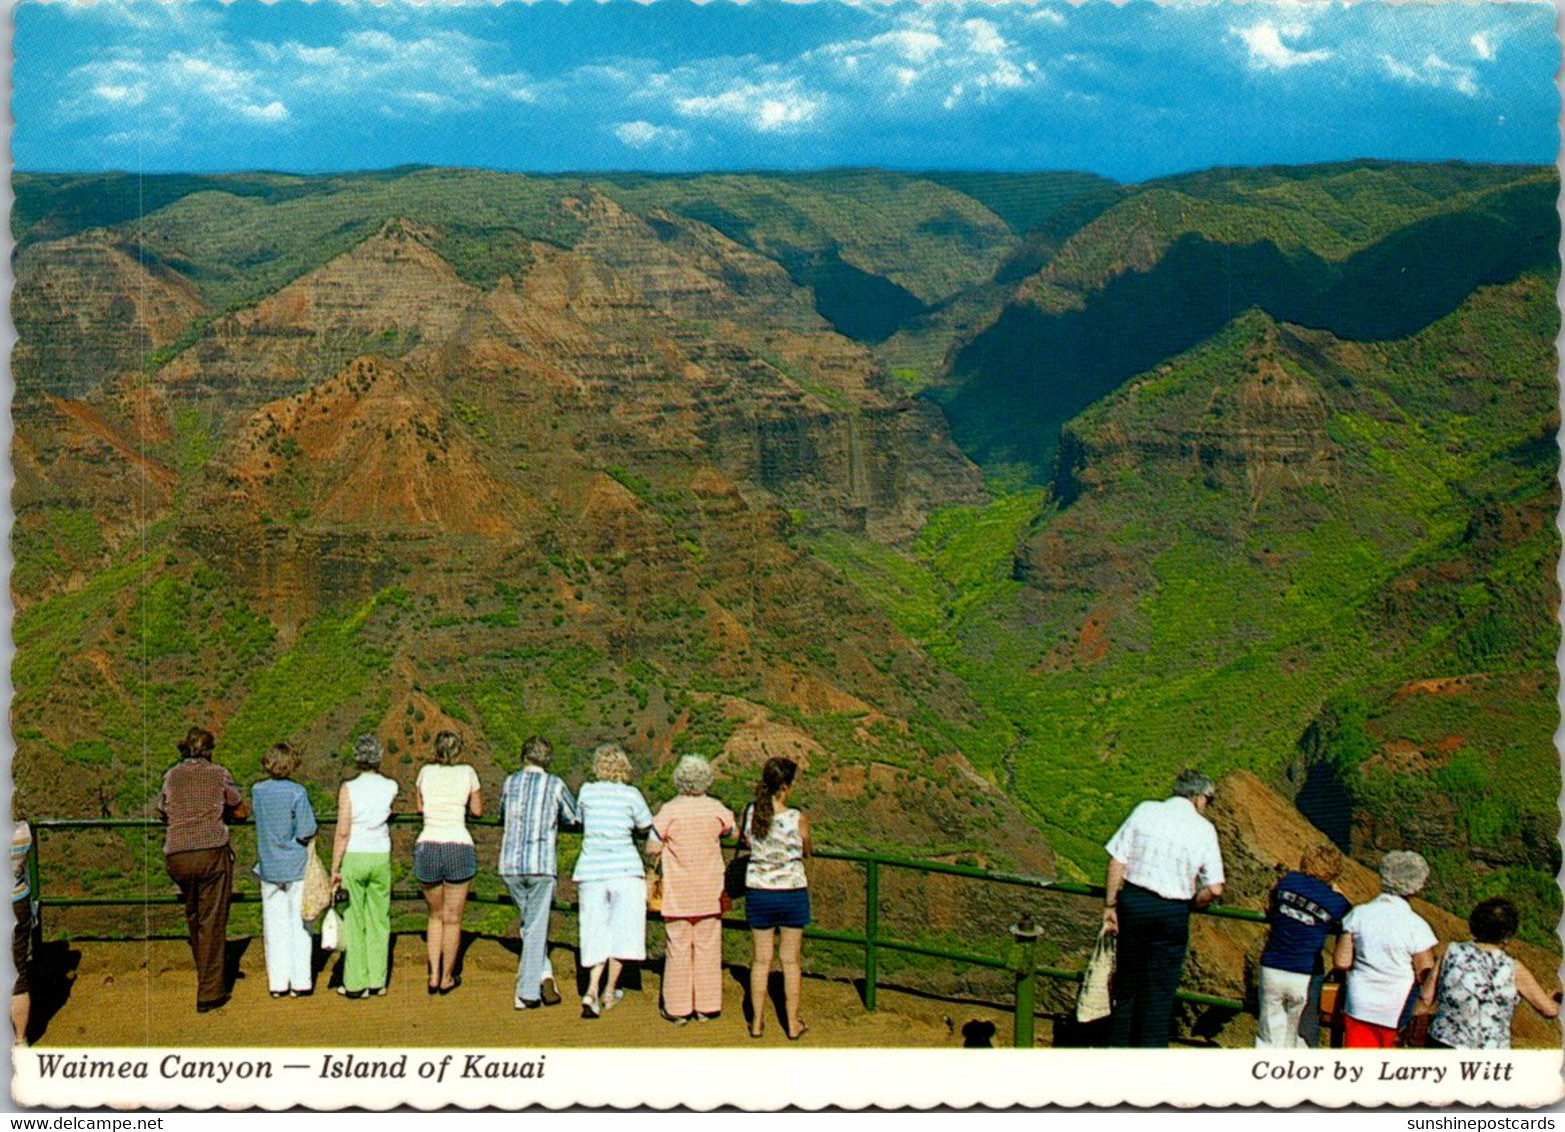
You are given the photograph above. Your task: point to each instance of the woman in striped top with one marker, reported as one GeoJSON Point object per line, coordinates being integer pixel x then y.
{"type": "Point", "coordinates": [611, 881]}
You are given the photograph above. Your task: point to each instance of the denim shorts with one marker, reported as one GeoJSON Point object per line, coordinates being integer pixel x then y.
{"type": "Point", "coordinates": [777, 908]}
{"type": "Point", "coordinates": [444, 862]}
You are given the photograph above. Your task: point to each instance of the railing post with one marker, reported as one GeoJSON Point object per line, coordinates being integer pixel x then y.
{"type": "Point", "coordinates": [871, 931]}
{"type": "Point", "coordinates": [1023, 963]}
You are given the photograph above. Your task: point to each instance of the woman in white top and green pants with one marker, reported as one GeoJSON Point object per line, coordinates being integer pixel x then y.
{"type": "Point", "coordinates": [361, 864]}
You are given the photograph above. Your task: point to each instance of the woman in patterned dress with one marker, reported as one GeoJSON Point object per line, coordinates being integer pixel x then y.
{"type": "Point", "coordinates": [1476, 984]}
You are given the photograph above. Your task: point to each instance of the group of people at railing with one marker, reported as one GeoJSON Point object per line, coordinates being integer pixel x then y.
{"type": "Point", "coordinates": [691, 882]}
{"type": "Point", "coordinates": [1401, 984]}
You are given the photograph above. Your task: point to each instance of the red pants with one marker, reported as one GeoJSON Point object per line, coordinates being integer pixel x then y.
{"type": "Point", "coordinates": [693, 967]}
{"type": "Point", "coordinates": [1367, 1035]}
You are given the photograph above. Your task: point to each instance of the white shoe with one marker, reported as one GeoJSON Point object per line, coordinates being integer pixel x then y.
{"type": "Point", "coordinates": [610, 1003]}
{"type": "Point", "coordinates": [590, 1007]}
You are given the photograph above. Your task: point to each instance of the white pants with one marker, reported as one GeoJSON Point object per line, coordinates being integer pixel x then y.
{"type": "Point", "coordinates": [613, 918]}
{"type": "Point", "coordinates": [288, 942]}
{"type": "Point", "coordinates": [1284, 995]}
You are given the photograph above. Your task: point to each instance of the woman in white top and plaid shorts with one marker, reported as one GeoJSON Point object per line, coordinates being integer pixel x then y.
{"type": "Point", "coordinates": [443, 858]}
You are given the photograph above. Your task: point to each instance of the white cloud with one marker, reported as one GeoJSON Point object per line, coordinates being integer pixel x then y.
{"type": "Point", "coordinates": [1483, 47]}
{"type": "Point", "coordinates": [177, 87]}
{"type": "Point", "coordinates": [913, 44]}
{"type": "Point", "coordinates": [1267, 50]}
{"type": "Point", "coordinates": [273, 111]}
{"type": "Point", "coordinates": [768, 107]}
{"type": "Point", "coordinates": [1435, 71]}
{"type": "Point", "coordinates": [935, 51]}
{"type": "Point", "coordinates": [984, 38]}
{"type": "Point", "coordinates": [429, 74]}
{"type": "Point", "coordinates": [644, 135]}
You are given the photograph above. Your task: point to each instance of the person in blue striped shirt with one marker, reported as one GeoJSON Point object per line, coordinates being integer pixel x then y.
{"type": "Point", "coordinates": [533, 806]}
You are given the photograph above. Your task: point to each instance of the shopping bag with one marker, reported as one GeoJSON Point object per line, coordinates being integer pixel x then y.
{"type": "Point", "coordinates": [331, 931]}
{"type": "Point", "coordinates": [1096, 999]}
{"type": "Point", "coordinates": [317, 886]}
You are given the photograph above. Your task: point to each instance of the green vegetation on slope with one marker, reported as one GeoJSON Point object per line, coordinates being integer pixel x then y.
{"type": "Point", "coordinates": [1221, 624]}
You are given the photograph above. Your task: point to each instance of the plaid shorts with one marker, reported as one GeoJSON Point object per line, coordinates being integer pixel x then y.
{"type": "Point", "coordinates": [444, 862]}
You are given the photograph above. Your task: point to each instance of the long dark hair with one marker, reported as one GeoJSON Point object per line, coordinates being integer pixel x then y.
{"type": "Point", "coordinates": [776, 775]}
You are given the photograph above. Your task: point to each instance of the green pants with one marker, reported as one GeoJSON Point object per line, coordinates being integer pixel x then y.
{"type": "Point", "coordinates": [366, 923]}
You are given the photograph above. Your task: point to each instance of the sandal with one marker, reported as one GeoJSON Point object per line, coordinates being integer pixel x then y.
{"type": "Point", "coordinates": [804, 1028]}
{"type": "Point", "coordinates": [590, 1007]}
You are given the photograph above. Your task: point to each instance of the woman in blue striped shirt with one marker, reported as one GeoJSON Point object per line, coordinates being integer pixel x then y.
{"type": "Point", "coordinates": [611, 881]}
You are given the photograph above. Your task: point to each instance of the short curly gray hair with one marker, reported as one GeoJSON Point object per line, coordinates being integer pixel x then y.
{"type": "Point", "coordinates": [367, 752]}
{"type": "Point", "coordinates": [693, 775]}
{"type": "Point", "coordinates": [1193, 784]}
{"type": "Point", "coordinates": [1403, 872]}
{"type": "Point", "coordinates": [610, 763]}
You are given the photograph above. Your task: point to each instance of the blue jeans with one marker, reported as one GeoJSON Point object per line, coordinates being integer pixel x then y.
{"type": "Point", "coordinates": [533, 896]}
{"type": "Point", "coordinates": [1154, 934]}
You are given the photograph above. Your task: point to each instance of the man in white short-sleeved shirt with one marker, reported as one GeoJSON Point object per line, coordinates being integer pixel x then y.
{"type": "Point", "coordinates": [1387, 949]}
{"type": "Point", "coordinates": [1162, 862]}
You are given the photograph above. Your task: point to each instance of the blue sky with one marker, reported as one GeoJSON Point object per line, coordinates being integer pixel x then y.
{"type": "Point", "coordinates": [1130, 91]}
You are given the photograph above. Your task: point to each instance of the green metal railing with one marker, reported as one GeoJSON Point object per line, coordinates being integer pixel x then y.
{"type": "Point", "coordinates": [1019, 959]}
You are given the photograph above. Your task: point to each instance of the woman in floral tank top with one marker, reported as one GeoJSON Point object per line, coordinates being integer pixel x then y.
{"type": "Point", "coordinates": [777, 899]}
{"type": "Point", "coordinates": [1476, 984]}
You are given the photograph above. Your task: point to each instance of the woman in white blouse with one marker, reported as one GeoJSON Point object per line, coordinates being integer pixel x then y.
{"type": "Point", "coordinates": [1387, 949]}
{"type": "Point", "coordinates": [443, 858]}
{"type": "Point", "coordinates": [611, 880]}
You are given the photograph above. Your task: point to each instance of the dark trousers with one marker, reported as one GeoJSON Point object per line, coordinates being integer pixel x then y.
{"type": "Point", "coordinates": [1154, 934]}
{"type": "Point", "coordinates": [206, 881]}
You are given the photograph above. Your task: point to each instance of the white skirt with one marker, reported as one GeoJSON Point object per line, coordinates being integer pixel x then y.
{"type": "Point", "coordinates": [613, 919]}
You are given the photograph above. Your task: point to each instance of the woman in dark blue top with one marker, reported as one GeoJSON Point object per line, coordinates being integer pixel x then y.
{"type": "Point", "coordinates": [1303, 910]}
{"type": "Point", "coordinates": [284, 823]}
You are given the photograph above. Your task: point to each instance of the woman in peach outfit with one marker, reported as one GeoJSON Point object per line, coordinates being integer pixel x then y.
{"type": "Point", "coordinates": [689, 831]}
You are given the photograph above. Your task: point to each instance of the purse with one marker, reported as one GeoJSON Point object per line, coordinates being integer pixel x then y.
{"type": "Point", "coordinates": [736, 874]}
{"type": "Point", "coordinates": [317, 885]}
{"type": "Point", "coordinates": [655, 887]}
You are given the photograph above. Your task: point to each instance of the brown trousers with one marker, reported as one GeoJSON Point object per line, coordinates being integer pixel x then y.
{"type": "Point", "coordinates": [206, 881]}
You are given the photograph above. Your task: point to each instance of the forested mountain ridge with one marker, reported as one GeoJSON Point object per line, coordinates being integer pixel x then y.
{"type": "Point", "coordinates": [1248, 468]}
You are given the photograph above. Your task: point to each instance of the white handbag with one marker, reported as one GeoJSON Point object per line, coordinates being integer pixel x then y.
{"type": "Point", "coordinates": [331, 930]}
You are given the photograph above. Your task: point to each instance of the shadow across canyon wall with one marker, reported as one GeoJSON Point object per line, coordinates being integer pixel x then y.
{"type": "Point", "coordinates": [1013, 386]}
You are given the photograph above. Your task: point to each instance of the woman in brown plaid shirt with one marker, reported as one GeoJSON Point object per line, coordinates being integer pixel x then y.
{"type": "Point", "coordinates": [197, 798]}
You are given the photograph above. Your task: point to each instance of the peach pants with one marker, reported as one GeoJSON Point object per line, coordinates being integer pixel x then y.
{"type": "Point", "coordinates": [693, 967]}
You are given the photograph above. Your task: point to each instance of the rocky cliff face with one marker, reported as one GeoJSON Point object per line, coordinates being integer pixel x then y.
{"type": "Point", "coordinates": [92, 310]}
{"type": "Point", "coordinates": [651, 335]}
